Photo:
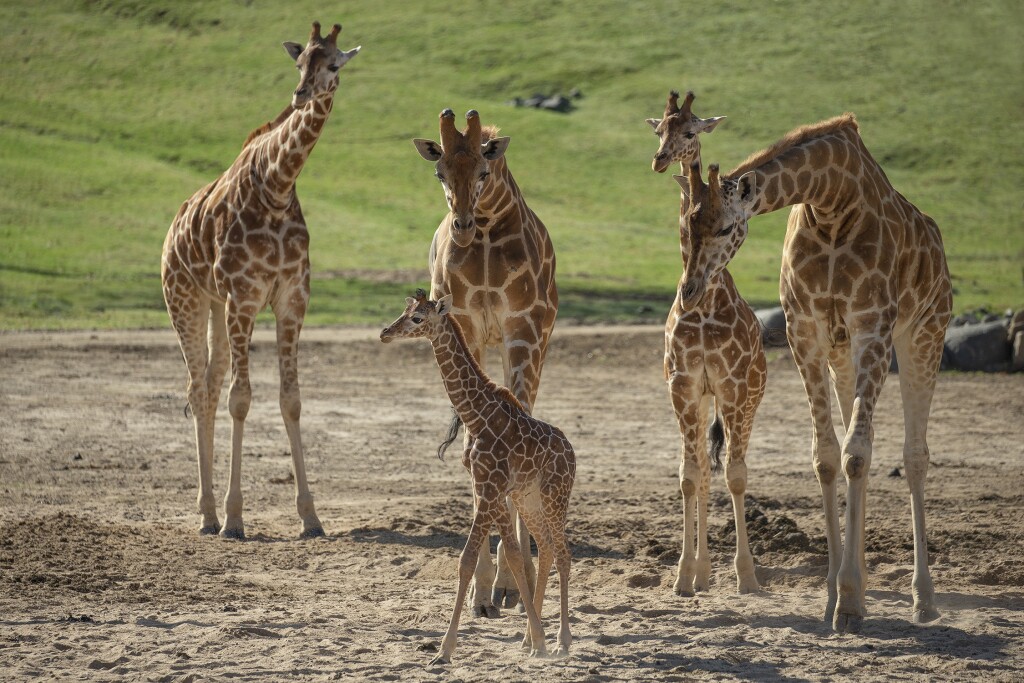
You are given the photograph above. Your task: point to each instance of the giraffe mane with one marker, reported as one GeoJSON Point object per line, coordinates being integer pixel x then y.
{"type": "Point", "coordinates": [489, 133]}
{"type": "Point", "coordinates": [793, 138]}
{"type": "Point", "coordinates": [501, 392]}
{"type": "Point", "coordinates": [269, 125]}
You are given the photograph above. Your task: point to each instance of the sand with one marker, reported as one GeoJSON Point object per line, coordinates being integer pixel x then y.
{"type": "Point", "coordinates": [103, 575]}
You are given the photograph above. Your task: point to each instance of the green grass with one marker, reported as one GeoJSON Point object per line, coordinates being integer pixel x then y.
{"type": "Point", "coordinates": [114, 112]}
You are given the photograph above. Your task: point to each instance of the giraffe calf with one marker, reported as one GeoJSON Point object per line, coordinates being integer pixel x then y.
{"type": "Point", "coordinates": [510, 455]}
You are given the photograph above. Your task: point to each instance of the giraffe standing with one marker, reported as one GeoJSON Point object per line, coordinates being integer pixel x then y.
{"type": "Point", "coordinates": [510, 456]}
{"type": "Point", "coordinates": [713, 354]}
{"type": "Point", "coordinates": [494, 256]}
{"type": "Point", "coordinates": [863, 274]}
{"type": "Point", "coordinates": [235, 246]}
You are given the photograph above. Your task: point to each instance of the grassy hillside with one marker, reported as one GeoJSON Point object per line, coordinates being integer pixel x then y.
{"type": "Point", "coordinates": [112, 112]}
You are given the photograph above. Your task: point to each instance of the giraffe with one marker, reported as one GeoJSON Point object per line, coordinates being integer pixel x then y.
{"type": "Point", "coordinates": [494, 256]}
{"type": "Point", "coordinates": [713, 355]}
{"type": "Point", "coordinates": [235, 246]}
{"type": "Point", "coordinates": [510, 456]}
{"type": "Point", "coordinates": [863, 274]}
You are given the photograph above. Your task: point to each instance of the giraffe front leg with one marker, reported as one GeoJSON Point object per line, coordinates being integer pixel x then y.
{"type": "Point", "coordinates": [482, 521]}
{"type": "Point", "coordinates": [289, 324]}
{"type": "Point", "coordinates": [240, 319]}
{"type": "Point", "coordinates": [687, 402]}
{"type": "Point", "coordinates": [735, 416]}
{"type": "Point", "coordinates": [480, 595]}
{"type": "Point", "coordinates": [702, 579]}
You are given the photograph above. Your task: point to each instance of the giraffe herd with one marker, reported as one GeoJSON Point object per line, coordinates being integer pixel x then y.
{"type": "Point", "coordinates": [863, 276]}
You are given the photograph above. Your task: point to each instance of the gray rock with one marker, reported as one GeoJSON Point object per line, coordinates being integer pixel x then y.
{"type": "Point", "coordinates": [556, 103]}
{"type": "Point", "coordinates": [773, 320]}
{"type": "Point", "coordinates": [977, 347]}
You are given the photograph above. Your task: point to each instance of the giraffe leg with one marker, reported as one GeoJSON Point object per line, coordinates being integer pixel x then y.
{"type": "Point", "coordinates": [240, 319]}
{"type": "Point", "coordinates": [825, 451]}
{"type": "Point", "coordinates": [289, 325]}
{"type": "Point", "coordinates": [556, 508]}
{"type": "Point", "coordinates": [483, 576]}
{"type": "Point", "coordinates": [871, 353]}
{"type": "Point", "coordinates": [535, 633]}
{"type": "Point", "coordinates": [190, 313]}
{"type": "Point", "coordinates": [919, 355]}
{"type": "Point", "coordinates": [686, 401]}
{"type": "Point", "coordinates": [702, 579]}
{"type": "Point", "coordinates": [531, 514]}
{"type": "Point", "coordinates": [737, 434]}
{"type": "Point", "coordinates": [521, 365]}
{"type": "Point", "coordinates": [482, 521]}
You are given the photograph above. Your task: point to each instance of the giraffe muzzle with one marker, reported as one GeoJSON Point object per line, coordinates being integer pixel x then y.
{"type": "Point", "coordinates": [661, 162]}
{"type": "Point", "coordinates": [692, 292]}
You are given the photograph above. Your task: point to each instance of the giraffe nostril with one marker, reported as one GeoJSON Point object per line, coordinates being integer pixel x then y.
{"type": "Point", "coordinates": [457, 224]}
{"type": "Point", "coordinates": [660, 155]}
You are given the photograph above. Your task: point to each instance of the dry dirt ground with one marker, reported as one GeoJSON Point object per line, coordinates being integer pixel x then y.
{"type": "Point", "coordinates": [103, 574]}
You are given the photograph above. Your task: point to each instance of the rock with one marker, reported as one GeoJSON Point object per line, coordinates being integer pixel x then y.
{"type": "Point", "coordinates": [1016, 324]}
{"type": "Point", "coordinates": [556, 103]}
{"type": "Point", "coordinates": [977, 347]}
{"type": "Point", "coordinates": [575, 94]}
{"type": "Point", "coordinates": [535, 100]}
{"type": "Point", "coordinates": [773, 322]}
{"type": "Point", "coordinates": [895, 473]}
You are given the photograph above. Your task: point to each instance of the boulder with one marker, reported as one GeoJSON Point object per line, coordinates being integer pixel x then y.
{"type": "Point", "coordinates": [977, 347]}
{"type": "Point", "coordinates": [773, 322]}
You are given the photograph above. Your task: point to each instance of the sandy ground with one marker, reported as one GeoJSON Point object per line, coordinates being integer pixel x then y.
{"type": "Point", "coordinates": [103, 575]}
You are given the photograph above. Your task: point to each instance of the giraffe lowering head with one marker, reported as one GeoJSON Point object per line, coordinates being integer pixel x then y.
{"type": "Point", "coordinates": [422, 318]}
{"type": "Point", "coordinates": [712, 228]}
{"type": "Point", "coordinates": [678, 130]}
{"type": "Point", "coordinates": [462, 161]}
{"type": "Point", "coordinates": [318, 64]}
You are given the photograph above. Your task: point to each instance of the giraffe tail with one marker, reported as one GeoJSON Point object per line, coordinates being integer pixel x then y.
{"type": "Point", "coordinates": [716, 440]}
{"type": "Point", "coordinates": [453, 433]}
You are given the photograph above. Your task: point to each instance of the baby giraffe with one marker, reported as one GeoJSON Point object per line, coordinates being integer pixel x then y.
{"type": "Point", "coordinates": [510, 455]}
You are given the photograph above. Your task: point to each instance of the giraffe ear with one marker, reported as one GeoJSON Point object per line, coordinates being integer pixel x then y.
{"type": "Point", "coordinates": [444, 305]}
{"type": "Point", "coordinates": [654, 123]}
{"type": "Point", "coordinates": [428, 149]}
{"type": "Point", "coordinates": [746, 188]}
{"type": "Point", "coordinates": [495, 149]}
{"type": "Point", "coordinates": [293, 50]}
{"type": "Point", "coordinates": [341, 57]}
{"type": "Point", "coordinates": [684, 184]}
{"type": "Point", "coordinates": [409, 301]}
{"type": "Point", "coordinates": [708, 125]}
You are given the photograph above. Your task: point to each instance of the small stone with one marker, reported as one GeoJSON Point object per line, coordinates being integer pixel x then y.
{"type": "Point", "coordinates": [895, 473]}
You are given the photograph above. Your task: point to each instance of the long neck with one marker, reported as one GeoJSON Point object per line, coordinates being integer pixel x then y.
{"type": "Point", "coordinates": [500, 194]}
{"type": "Point", "coordinates": [823, 172]}
{"type": "Point", "coordinates": [468, 388]}
{"type": "Point", "coordinates": [284, 149]}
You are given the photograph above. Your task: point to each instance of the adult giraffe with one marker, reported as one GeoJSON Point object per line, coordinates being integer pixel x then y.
{"type": "Point", "coordinates": [235, 246]}
{"type": "Point", "coordinates": [863, 273]}
{"type": "Point", "coordinates": [494, 256]}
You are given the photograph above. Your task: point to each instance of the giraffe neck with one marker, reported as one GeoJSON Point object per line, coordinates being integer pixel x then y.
{"type": "Point", "coordinates": [284, 149]}
{"type": "Point", "coordinates": [822, 171]}
{"type": "Point", "coordinates": [469, 389]}
{"type": "Point", "coordinates": [500, 193]}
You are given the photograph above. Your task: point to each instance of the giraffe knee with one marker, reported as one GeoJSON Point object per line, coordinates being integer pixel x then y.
{"type": "Point", "coordinates": [736, 476]}
{"type": "Point", "coordinates": [688, 487]}
{"type": "Point", "coordinates": [239, 400]}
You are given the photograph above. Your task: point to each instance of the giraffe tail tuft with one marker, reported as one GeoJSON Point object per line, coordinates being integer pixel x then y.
{"type": "Point", "coordinates": [716, 440]}
{"type": "Point", "coordinates": [453, 433]}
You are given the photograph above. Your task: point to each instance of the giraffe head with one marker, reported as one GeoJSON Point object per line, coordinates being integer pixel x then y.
{"type": "Point", "coordinates": [712, 227]}
{"type": "Point", "coordinates": [462, 162]}
{"type": "Point", "coordinates": [318, 63]}
{"type": "Point", "coordinates": [422, 318]}
{"type": "Point", "coordinates": [678, 130]}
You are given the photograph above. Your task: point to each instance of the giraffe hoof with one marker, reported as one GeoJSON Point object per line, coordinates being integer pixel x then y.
{"type": "Point", "coordinates": [487, 611]}
{"type": "Point", "coordinates": [209, 530]}
{"type": "Point", "coordinates": [847, 623]}
{"type": "Point", "coordinates": [505, 597]}
{"type": "Point", "coordinates": [235, 534]}
{"type": "Point", "coordinates": [440, 660]}
{"type": "Point", "coordinates": [925, 614]}
{"type": "Point", "coordinates": [313, 532]}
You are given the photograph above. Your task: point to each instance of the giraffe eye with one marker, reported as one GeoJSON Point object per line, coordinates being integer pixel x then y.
{"type": "Point", "coordinates": [439, 177]}
{"type": "Point", "coordinates": [333, 67]}
{"type": "Point", "coordinates": [483, 176]}
{"type": "Point", "coordinates": [725, 231]}
{"type": "Point", "coordinates": [689, 136]}
{"type": "Point", "coordinates": [416, 319]}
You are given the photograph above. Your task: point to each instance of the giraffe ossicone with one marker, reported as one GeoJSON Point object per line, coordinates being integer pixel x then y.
{"type": "Point", "coordinates": [863, 274]}
{"type": "Point", "coordinates": [494, 256]}
{"type": "Point", "coordinates": [236, 246]}
{"type": "Point", "coordinates": [510, 455]}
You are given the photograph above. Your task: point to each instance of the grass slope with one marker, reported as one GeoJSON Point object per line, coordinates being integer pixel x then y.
{"type": "Point", "coordinates": [112, 112]}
